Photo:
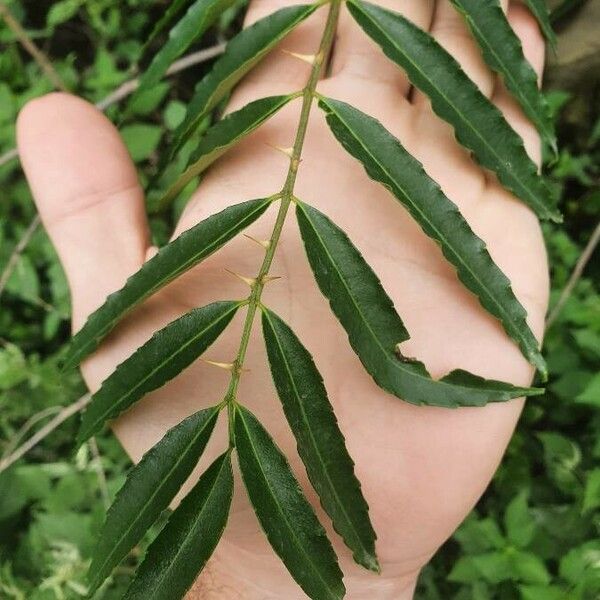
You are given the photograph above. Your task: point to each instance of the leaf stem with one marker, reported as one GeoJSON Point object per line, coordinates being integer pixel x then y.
{"type": "Point", "coordinates": [287, 197]}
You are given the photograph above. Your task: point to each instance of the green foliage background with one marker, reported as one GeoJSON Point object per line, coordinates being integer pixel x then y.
{"type": "Point", "coordinates": [535, 535]}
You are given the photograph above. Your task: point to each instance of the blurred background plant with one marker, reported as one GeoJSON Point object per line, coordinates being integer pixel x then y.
{"type": "Point", "coordinates": [535, 535]}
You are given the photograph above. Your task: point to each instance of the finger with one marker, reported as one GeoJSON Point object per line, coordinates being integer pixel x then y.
{"type": "Point", "coordinates": [357, 57]}
{"type": "Point", "coordinates": [528, 31]}
{"type": "Point", "coordinates": [449, 29]}
{"type": "Point", "coordinates": [87, 193]}
{"type": "Point", "coordinates": [281, 72]}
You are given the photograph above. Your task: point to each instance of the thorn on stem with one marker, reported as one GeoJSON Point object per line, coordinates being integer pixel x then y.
{"type": "Point", "coordinates": [307, 58]}
{"type": "Point", "coordinates": [289, 152]}
{"type": "Point", "coordinates": [264, 243]}
{"type": "Point", "coordinates": [247, 280]}
{"type": "Point", "coordinates": [268, 278]}
{"type": "Point", "coordinates": [227, 366]}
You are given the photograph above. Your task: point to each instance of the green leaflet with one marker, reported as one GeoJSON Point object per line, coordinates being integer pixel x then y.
{"type": "Point", "coordinates": [242, 53]}
{"type": "Point", "coordinates": [540, 10]}
{"type": "Point", "coordinates": [172, 10]}
{"type": "Point", "coordinates": [478, 124]}
{"type": "Point", "coordinates": [198, 18]}
{"type": "Point", "coordinates": [321, 444]}
{"type": "Point", "coordinates": [374, 328]}
{"type": "Point", "coordinates": [189, 538]}
{"type": "Point", "coordinates": [284, 513]}
{"type": "Point", "coordinates": [184, 252]}
{"type": "Point", "coordinates": [386, 161]}
{"type": "Point", "coordinates": [222, 136]}
{"type": "Point", "coordinates": [149, 489]}
{"type": "Point", "coordinates": [502, 51]}
{"type": "Point", "coordinates": [161, 358]}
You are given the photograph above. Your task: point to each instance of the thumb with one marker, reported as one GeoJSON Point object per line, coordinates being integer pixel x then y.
{"type": "Point", "coordinates": [87, 193]}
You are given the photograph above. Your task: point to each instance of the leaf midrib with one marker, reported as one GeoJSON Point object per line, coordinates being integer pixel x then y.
{"type": "Point", "coordinates": [178, 462]}
{"type": "Point", "coordinates": [312, 437]}
{"type": "Point", "coordinates": [171, 276]}
{"type": "Point", "coordinates": [491, 298]}
{"type": "Point", "coordinates": [396, 364]}
{"type": "Point", "coordinates": [196, 519]}
{"type": "Point", "coordinates": [507, 72]}
{"type": "Point", "coordinates": [170, 358]}
{"type": "Point", "coordinates": [278, 505]}
{"type": "Point", "coordinates": [465, 121]}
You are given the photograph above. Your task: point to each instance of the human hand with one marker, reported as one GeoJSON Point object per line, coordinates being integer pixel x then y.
{"type": "Point", "coordinates": [421, 468]}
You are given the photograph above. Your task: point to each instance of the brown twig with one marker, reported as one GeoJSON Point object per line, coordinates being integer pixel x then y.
{"type": "Point", "coordinates": [582, 262]}
{"type": "Point", "coordinates": [119, 94]}
{"type": "Point", "coordinates": [190, 60]}
{"type": "Point", "coordinates": [46, 430]}
{"type": "Point", "coordinates": [40, 58]}
{"type": "Point", "coordinates": [29, 424]}
{"type": "Point", "coordinates": [16, 253]}
{"type": "Point", "coordinates": [130, 86]}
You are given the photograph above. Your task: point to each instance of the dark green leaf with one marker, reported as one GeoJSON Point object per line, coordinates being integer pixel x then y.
{"type": "Point", "coordinates": [184, 252]}
{"type": "Point", "coordinates": [242, 53]}
{"type": "Point", "coordinates": [386, 161]}
{"type": "Point", "coordinates": [503, 52]}
{"type": "Point", "coordinates": [321, 444]}
{"type": "Point", "coordinates": [189, 538]}
{"type": "Point", "coordinates": [198, 18]}
{"type": "Point", "coordinates": [161, 358]}
{"type": "Point", "coordinates": [222, 136]}
{"type": "Point", "coordinates": [284, 513]}
{"type": "Point", "coordinates": [478, 123]}
{"type": "Point", "coordinates": [150, 487]}
{"type": "Point", "coordinates": [374, 328]}
{"type": "Point", "coordinates": [519, 523]}
{"type": "Point", "coordinates": [540, 10]}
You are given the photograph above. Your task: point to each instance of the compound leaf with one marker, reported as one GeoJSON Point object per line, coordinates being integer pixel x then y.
{"type": "Point", "coordinates": [320, 442]}
{"type": "Point", "coordinates": [478, 124]}
{"type": "Point", "coordinates": [285, 514]}
{"type": "Point", "coordinates": [187, 541]}
{"type": "Point", "coordinates": [503, 52]}
{"type": "Point", "coordinates": [161, 358]}
{"type": "Point", "coordinates": [184, 252]}
{"type": "Point", "coordinates": [197, 19]}
{"type": "Point", "coordinates": [374, 328]}
{"type": "Point", "coordinates": [150, 487]}
{"type": "Point", "coordinates": [222, 136]}
{"type": "Point", "coordinates": [385, 160]}
{"type": "Point", "coordinates": [539, 8]}
{"type": "Point", "coordinates": [242, 53]}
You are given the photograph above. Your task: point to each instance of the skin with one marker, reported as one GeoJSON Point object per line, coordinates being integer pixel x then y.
{"type": "Point", "coordinates": [422, 469]}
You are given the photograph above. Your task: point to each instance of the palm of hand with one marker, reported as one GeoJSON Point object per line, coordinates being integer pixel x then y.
{"type": "Point", "coordinates": [421, 468]}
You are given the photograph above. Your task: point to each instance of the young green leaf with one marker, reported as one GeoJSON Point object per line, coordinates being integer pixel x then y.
{"type": "Point", "coordinates": [150, 487]}
{"type": "Point", "coordinates": [386, 161]}
{"type": "Point", "coordinates": [198, 18]}
{"type": "Point", "coordinates": [374, 328]}
{"type": "Point", "coordinates": [242, 53]}
{"type": "Point", "coordinates": [478, 124]}
{"type": "Point", "coordinates": [189, 538]}
{"type": "Point", "coordinates": [222, 136]}
{"type": "Point", "coordinates": [284, 513]}
{"type": "Point", "coordinates": [184, 252]}
{"type": "Point", "coordinates": [161, 358]}
{"type": "Point", "coordinates": [321, 444]}
{"type": "Point", "coordinates": [172, 10]}
{"type": "Point", "coordinates": [503, 52]}
{"type": "Point", "coordinates": [539, 8]}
